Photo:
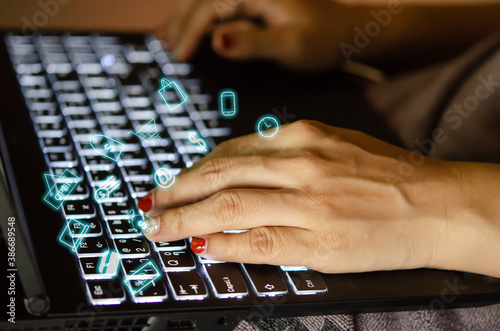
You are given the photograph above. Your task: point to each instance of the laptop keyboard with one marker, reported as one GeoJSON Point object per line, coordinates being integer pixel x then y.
{"type": "Point", "coordinates": [76, 87]}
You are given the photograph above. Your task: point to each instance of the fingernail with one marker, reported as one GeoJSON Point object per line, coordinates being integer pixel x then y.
{"type": "Point", "coordinates": [149, 225]}
{"type": "Point", "coordinates": [145, 203]}
{"type": "Point", "coordinates": [227, 42]}
{"type": "Point", "coordinates": [198, 245]}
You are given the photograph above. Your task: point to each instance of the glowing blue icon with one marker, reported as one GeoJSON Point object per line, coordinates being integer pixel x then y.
{"type": "Point", "coordinates": [201, 143]}
{"type": "Point", "coordinates": [267, 126]}
{"type": "Point", "coordinates": [110, 184]}
{"type": "Point", "coordinates": [148, 133]}
{"type": "Point", "coordinates": [164, 178]}
{"type": "Point", "coordinates": [146, 270]}
{"type": "Point", "coordinates": [73, 234]}
{"type": "Point", "coordinates": [145, 223]}
{"type": "Point", "coordinates": [172, 94]}
{"type": "Point", "coordinates": [148, 225]}
{"type": "Point", "coordinates": [109, 263]}
{"type": "Point", "coordinates": [228, 103]}
{"type": "Point", "coordinates": [107, 147]}
{"type": "Point", "coordinates": [131, 215]}
{"type": "Point", "coordinates": [133, 218]}
{"type": "Point", "coordinates": [59, 187]}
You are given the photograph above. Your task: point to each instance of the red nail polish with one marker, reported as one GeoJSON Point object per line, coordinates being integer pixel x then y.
{"type": "Point", "coordinates": [145, 203]}
{"type": "Point", "coordinates": [227, 42]}
{"type": "Point", "coordinates": [198, 245]}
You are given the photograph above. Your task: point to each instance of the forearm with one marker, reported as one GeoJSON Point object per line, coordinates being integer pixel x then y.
{"type": "Point", "coordinates": [416, 29]}
{"type": "Point", "coordinates": [83, 15]}
{"type": "Point", "coordinates": [471, 239]}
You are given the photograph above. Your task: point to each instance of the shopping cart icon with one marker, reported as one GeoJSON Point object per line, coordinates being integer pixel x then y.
{"type": "Point", "coordinates": [170, 91]}
{"type": "Point", "coordinates": [148, 133]}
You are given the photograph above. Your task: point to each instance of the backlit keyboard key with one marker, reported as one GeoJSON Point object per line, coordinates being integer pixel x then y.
{"type": "Point", "coordinates": [141, 188]}
{"type": "Point", "coordinates": [177, 260]}
{"type": "Point", "coordinates": [92, 246]}
{"type": "Point", "coordinates": [187, 285]}
{"type": "Point", "coordinates": [94, 229]}
{"type": "Point", "coordinates": [123, 229]}
{"type": "Point", "coordinates": [80, 192]}
{"type": "Point", "coordinates": [116, 210]}
{"type": "Point", "coordinates": [292, 268]}
{"type": "Point", "coordinates": [90, 268]}
{"type": "Point", "coordinates": [79, 209]}
{"type": "Point", "coordinates": [136, 247]}
{"type": "Point", "coordinates": [266, 280]}
{"type": "Point", "coordinates": [105, 292]}
{"type": "Point", "coordinates": [133, 269]}
{"type": "Point", "coordinates": [226, 280]}
{"type": "Point", "coordinates": [306, 282]}
{"type": "Point", "coordinates": [154, 291]}
{"type": "Point", "coordinates": [170, 245]}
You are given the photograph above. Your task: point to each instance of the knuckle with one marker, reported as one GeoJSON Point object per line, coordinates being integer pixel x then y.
{"type": "Point", "coordinates": [319, 197]}
{"type": "Point", "coordinates": [245, 148]}
{"type": "Point", "coordinates": [310, 163]}
{"type": "Point", "coordinates": [232, 251]}
{"type": "Point", "coordinates": [179, 225]}
{"type": "Point", "coordinates": [331, 252]}
{"type": "Point", "coordinates": [214, 172]}
{"type": "Point", "coordinates": [335, 240]}
{"type": "Point", "coordinates": [310, 158]}
{"type": "Point", "coordinates": [308, 129]}
{"type": "Point", "coordinates": [228, 208]}
{"type": "Point", "coordinates": [264, 244]}
{"type": "Point", "coordinates": [223, 148]}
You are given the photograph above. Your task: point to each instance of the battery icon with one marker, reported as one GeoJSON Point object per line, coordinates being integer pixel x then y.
{"type": "Point", "coordinates": [228, 103]}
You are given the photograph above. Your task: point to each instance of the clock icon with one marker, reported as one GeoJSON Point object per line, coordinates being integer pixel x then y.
{"type": "Point", "coordinates": [268, 126]}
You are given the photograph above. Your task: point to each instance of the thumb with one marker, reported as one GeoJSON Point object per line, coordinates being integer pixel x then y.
{"type": "Point", "coordinates": [244, 40]}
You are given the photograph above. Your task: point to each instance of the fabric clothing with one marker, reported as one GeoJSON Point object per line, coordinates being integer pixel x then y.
{"type": "Point", "coordinates": [460, 100]}
{"type": "Point", "coordinates": [463, 319]}
{"type": "Point", "coordinates": [452, 112]}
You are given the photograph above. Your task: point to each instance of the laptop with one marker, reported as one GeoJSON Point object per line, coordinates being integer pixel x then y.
{"type": "Point", "coordinates": [89, 113]}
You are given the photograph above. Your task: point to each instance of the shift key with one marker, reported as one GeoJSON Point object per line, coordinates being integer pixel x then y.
{"type": "Point", "coordinates": [266, 279]}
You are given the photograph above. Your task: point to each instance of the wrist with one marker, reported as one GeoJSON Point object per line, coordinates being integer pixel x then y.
{"type": "Point", "coordinates": [469, 236]}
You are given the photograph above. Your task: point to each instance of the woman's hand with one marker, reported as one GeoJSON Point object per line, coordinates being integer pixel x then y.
{"type": "Point", "coordinates": [296, 33]}
{"type": "Point", "coordinates": [333, 200]}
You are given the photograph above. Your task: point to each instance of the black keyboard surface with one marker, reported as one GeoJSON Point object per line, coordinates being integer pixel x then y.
{"type": "Point", "coordinates": [77, 87]}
